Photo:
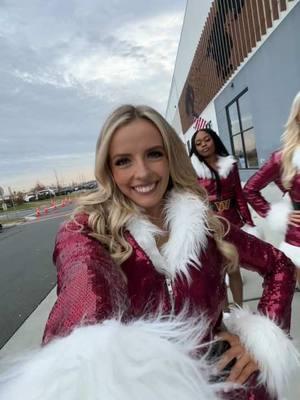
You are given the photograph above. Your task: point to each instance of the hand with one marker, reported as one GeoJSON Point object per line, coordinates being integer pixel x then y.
{"type": "Point", "coordinates": [245, 364]}
{"type": "Point", "coordinates": [294, 218]}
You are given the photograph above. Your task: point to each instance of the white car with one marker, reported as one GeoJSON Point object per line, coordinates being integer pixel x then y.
{"type": "Point", "coordinates": [44, 194]}
{"type": "Point", "coordinates": [29, 197]}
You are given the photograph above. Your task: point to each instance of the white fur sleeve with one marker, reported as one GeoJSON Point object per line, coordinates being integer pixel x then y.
{"type": "Point", "coordinates": [275, 353]}
{"type": "Point", "coordinates": [141, 360]}
{"type": "Point", "coordinates": [278, 215]}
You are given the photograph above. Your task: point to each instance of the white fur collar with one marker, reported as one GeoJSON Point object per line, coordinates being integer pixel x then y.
{"type": "Point", "coordinates": [224, 165]}
{"type": "Point", "coordinates": [296, 158]}
{"type": "Point", "coordinates": [186, 222]}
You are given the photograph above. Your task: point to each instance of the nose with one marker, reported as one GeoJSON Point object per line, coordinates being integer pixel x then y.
{"type": "Point", "coordinates": [142, 169]}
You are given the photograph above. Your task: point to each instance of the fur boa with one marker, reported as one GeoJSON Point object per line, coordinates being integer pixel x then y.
{"type": "Point", "coordinates": [145, 359]}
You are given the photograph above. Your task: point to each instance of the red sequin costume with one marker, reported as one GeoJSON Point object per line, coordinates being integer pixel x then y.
{"type": "Point", "coordinates": [230, 202]}
{"type": "Point", "coordinates": [277, 214]}
{"type": "Point", "coordinates": [187, 271]}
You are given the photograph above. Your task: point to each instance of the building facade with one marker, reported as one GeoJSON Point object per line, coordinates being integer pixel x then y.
{"type": "Point", "coordinates": [237, 70]}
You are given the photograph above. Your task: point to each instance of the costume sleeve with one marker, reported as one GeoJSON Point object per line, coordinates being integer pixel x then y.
{"type": "Point", "coordinates": [240, 198]}
{"type": "Point", "coordinates": [265, 333]}
{"type": "Point", "coordinates": [269, 172]}
{"type": "Point", "coordinates": [90, 286]}
{"type": "Point", "coordinates": [277, 270]}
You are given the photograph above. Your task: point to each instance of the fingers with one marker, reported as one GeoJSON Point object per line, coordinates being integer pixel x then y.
{"type": "Point", "coordinates": [294, 218]}
{"type": "Point", "coordinates": [234, 352]}
{"type": "Point", "coordinates": [244, 366]}
{"type": "Point", "coordinates": [229, 337]}
{"type": "Point", "coordinates": [242, 369]}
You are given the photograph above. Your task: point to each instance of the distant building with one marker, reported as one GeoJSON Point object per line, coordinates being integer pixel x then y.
{"type": "Point", "coordinates": [237, 70]}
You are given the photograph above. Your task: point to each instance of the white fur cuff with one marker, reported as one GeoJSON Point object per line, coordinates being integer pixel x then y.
{"type": "Point", "coordinates": [278, 215]}
{"type": "Point", "coordinates": [141, 360]}
{"type": "Point", "coordinates": [275, 353]}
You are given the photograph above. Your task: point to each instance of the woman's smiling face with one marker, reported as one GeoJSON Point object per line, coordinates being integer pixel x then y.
{"type": "Point", "coordinates": [139, 164]}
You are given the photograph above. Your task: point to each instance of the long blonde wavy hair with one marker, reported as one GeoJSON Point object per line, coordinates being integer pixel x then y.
{"type": "Point", "coordinates": [109, 210]}
{"type": "Point", "coordinates": [290, 140]}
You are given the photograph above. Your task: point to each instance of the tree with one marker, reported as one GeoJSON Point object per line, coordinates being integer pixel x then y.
{"type": "Point", "coordinates": [38, 186]}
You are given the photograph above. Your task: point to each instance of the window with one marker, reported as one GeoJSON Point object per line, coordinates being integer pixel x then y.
{"type": "Point", "coordinates": [242, 132]}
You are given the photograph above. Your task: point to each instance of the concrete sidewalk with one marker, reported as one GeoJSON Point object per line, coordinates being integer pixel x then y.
{"type": "Point", "coordinates": [30, 334]}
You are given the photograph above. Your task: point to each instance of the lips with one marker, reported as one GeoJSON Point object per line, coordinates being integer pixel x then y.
{"type": "Point", "coordinates": [145, 188]}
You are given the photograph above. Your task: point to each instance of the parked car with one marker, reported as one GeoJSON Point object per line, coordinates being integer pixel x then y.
{"type": "Point", "coordinates": [65, 190]}
{"type": "Point", "coordinates": [44, 194]}
{"type": "Point", "coordinates": [29, 197]}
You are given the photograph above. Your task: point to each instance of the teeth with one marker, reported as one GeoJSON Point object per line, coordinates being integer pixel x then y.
{"type": "Point", "coordinates": [145, 189]}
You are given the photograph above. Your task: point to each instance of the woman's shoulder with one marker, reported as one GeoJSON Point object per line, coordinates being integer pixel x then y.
{"type": "Point", "coordinates": [276, 156]}
{"type": "Point", "coordinates": [73, 230]}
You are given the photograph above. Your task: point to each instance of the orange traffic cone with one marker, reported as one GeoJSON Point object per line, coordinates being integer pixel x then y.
{"type": "Point", "coordinates": [37, 212]}
{"type": "Point", "coordinates": [46, 210]}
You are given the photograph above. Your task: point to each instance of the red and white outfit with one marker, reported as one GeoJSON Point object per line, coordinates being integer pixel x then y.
{"type": "Point", "coordinates": [186, 273]}
{"type": "Point", "coordinates": [231, 202]}
{"type": "Point", "coordinates": [277, 214]}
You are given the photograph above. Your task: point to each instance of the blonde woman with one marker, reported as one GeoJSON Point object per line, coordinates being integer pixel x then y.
{"type": "Point", "coordinates": [144, 243]}
{"type": "Point", "coordinates": [283, 168]}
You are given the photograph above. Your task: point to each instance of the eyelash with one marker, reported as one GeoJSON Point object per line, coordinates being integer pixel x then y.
{"type": "Point", "coordinates": [156, 153]}
{"type": "Point", "coordinates": [121, 162]}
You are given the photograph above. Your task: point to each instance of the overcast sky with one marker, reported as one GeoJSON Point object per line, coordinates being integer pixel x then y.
{"type": "Point", "coordinates": [64, 66]}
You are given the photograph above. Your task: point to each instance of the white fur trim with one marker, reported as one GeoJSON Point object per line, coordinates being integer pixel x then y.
{"type": "Point", "coordinates": [253, 230]}
{"type": "Point", "coordinates": [296, 158]}
{"type": "Point", "coordinates": [142, 360]}
{"type": "Point", "coordinates": [275, 353]}
{"type": "Point", "coordinates": [293, 252]}
{"type": "Point", "coordinates": [225, 165]}
{"type": "Point", "coordinates": [278, 215]}
{"type": "Point", "coordinates": [186, 217]}
{"type": "Point", "coordinates": [186, 221]}
{"type": "Point", "coordinates": [200, 168]}
{"type": "Point", "coordinates": [144, 233]}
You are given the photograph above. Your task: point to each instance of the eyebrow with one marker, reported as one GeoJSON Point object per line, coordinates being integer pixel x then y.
{"type": "Point", "coordinates": [158, 147]}
{"type": "Point", "coordinates": [204, 137]}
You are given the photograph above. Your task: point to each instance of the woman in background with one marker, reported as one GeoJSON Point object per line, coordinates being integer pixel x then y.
{"type": "Point", "coordinates": [218, 173]}
{"type": "Point", "coordinates": [283, 168]}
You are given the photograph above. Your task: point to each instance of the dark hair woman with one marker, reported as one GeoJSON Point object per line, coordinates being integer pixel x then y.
{"type": "Point", "coordinates": [218, 173]}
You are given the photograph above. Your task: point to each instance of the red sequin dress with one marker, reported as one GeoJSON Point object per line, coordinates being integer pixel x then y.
{"type": "Point", "coordinates": [230, 202]}
{"type": "Point", "coordinates": [271, 172]}
{"type": "Point", "coordinates": [187, 271]}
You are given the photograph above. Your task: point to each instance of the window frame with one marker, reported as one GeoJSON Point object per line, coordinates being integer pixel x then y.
{"type": "Point", "coordinates": [241, 130]}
